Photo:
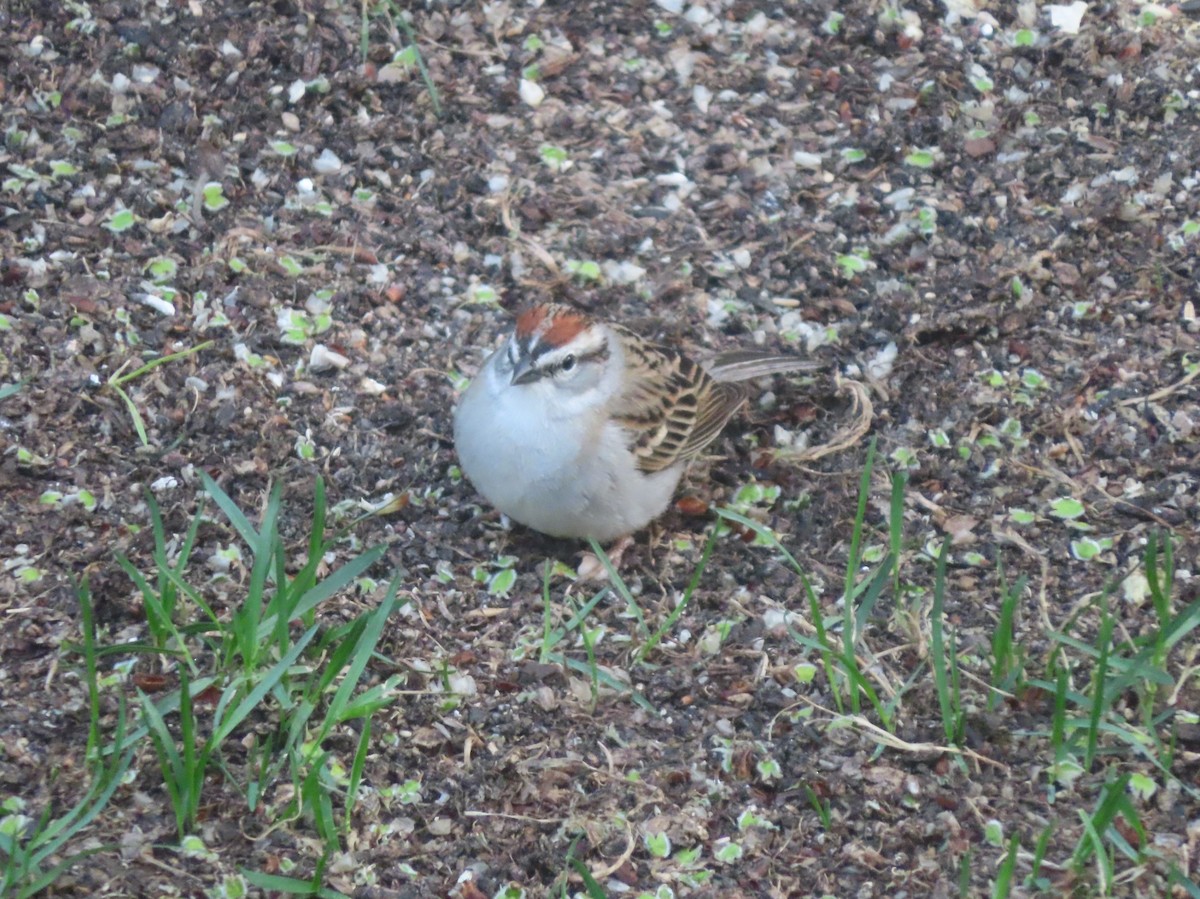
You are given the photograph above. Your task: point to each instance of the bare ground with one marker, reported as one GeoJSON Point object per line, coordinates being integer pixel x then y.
{"type": "Point", "coordinates": [1005, 204]}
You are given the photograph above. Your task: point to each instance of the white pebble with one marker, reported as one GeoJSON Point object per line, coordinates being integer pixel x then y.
{"type": "Point", "coordinates": [327, 163]}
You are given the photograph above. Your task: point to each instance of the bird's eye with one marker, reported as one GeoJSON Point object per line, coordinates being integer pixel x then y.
{"type": "Point", "coordinates": [568, 363]}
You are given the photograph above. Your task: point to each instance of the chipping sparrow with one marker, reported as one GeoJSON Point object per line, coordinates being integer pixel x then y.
{"type": "Point", "coordinates": [580, 428]}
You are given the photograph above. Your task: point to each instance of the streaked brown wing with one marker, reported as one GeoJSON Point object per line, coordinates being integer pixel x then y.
{"type": "Point", "coordinates": [671, 405]}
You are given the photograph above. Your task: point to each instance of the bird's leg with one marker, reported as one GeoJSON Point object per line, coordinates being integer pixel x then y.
{"type": "Point", "coordinates": [592, 569]}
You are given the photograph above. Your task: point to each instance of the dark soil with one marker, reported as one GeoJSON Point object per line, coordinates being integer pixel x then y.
{"type": "Point", "coordinates": [996, 237]}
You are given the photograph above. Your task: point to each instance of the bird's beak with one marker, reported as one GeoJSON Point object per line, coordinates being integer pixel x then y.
{"type": "Point", "coordinates": [524, 372]}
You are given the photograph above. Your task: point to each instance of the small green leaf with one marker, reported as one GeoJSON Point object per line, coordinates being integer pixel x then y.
{"type": "Point", "coordinates": [409, 792]}
{"type": "Point", "coordinates": [851, 265]}
{"type": "Point", "coordinates": [657, 844]}
{"type": "Point", "coordinates": [214, 197]}
{"type": "Point", "coordinates": [727, 851]}
{"type": "Point", "coordinates": [501, 582]}
{"type": "Point", "coordinates": [283, 148]}
{"type": "Point", "coordinates": [852, 155]}
{"type": "Point", "coordinates": [1033, 379]}
{"type": "Point", "coordinates": [769, 769]}
{"type": "Point", "coordinates": [60, 168]}
{"type": "Point", "coordinates": [554, 157]}
{"type": "Point", "coordinates": [993, 832]}
{"type": "Point", "coordinates": [121, 220]}
{"type": "Point", "coordinates": [29, 575]}
{"type": "Point", "coordinates": [1066, 507]}
{"type": "Point", "coordinates": [1066, 771]}
{"type": "Point", "coordinates": [1141, 786]}
{"type": "Point", "coordinates": [584, 270]}
{"type": "Point", "coordinates": [874, 553]}
{"type": "Point", "coordinates": [921, 159]}
{"type": "Point", "coordinates": [1011, 428]}
{"type": "Point", "coordinates": [927, 221]}
{"type": "Point", "coordinates": [750, 818]}
{"type": "Point", "coordinates": [407, 57]}
{"type": "Point", "coordinates": [1086, 549]}
{"type": "Point", "coordinates": [833, 23]}
{"type": "Point", "coordinates": [194, 847]}
{"type": "Point", "coordinates": [162, 268]}
{"type": "Point", "coordinates": [484, 294]}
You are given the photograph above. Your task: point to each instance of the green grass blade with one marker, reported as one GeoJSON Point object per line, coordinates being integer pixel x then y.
{"type": "Point", "coordinates": [138, 425]}
{"type": "Point", "coordinates": [175, 779]}
{"type": "Point", "coordinates": [277, 883]}
{"type": "Point", "coordinates": [762, 531]}
{"type": "Point", "coordinates": [604, 679]}
{"type": "Point", "coordinates": [675, 613]}
{"type": "Point", "coordinates": [1004, 877]}
{"type": "Point", "coordinates": [594, 890]}
{"type": "Point", "coordinates": [622, 589]}
{"type": "Point", "coordinates": [338, 581]}
{"type": "Point", "coordinates": [155, 363]}
{"type": "Point", "coordinates": [363, 649]}
{"type": "Point", "coordinates": [91, 670]}
{"type": "Point", "coordinates": [261, 689]}
{"type": "Point", "coordinates": [896, 529]}
{"type": "Point", "coordinates": [860, 514]}
{"type": "Point", "coordinates": [1099, 693]}
{"type": "Point", "coordinates": [937, 646]}
{"type": "Point", "coordinates": [356, 773]}
{"type": "Point", "coordinates": [230, 510]}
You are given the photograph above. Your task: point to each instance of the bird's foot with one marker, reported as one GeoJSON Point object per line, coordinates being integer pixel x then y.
{"type": "Point", "coordinates": [592, 569]}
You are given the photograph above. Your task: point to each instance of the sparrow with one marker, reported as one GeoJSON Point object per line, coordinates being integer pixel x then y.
{"type": "Point", "coordinates": [580, 428]}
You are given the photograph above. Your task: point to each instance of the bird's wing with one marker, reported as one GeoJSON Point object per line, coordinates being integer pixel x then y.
{"type": "Point", "coordinates": [670, 405]}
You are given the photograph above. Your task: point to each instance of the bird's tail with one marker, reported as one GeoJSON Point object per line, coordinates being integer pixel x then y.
{"type": "Point", "coordinates": [743, 365]}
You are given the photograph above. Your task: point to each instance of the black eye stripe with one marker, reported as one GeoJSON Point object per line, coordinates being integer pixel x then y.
{"type": "Point", "coordinates": [597, 355]}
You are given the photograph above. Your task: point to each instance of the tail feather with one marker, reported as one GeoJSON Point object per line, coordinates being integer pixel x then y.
{"type": "Point", "coordinates": [743, 365]}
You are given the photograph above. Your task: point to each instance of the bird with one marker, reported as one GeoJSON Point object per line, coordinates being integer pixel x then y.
{"type": "Point", "coordinates": [580, 428]}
